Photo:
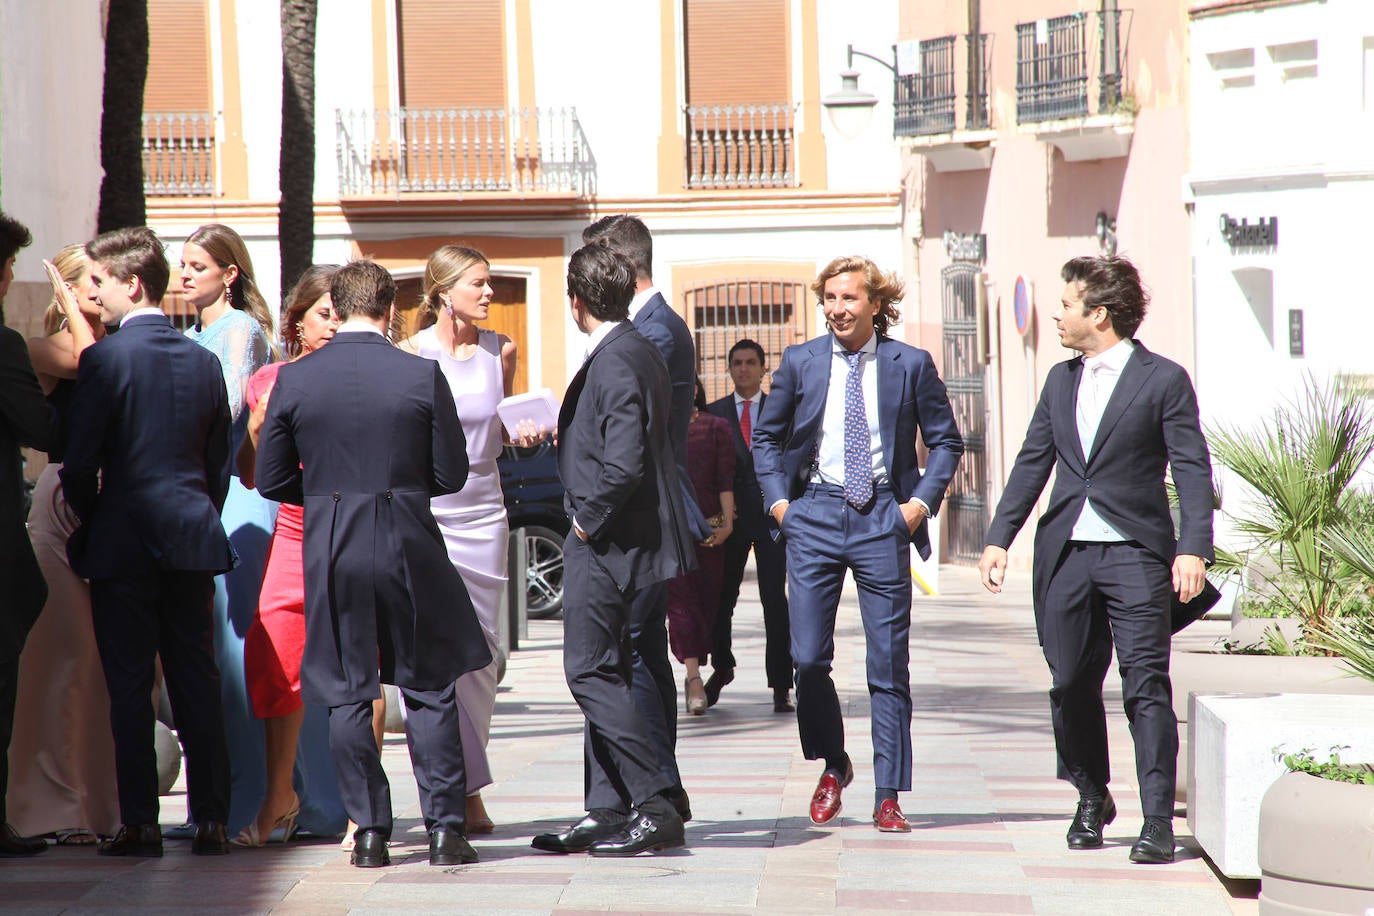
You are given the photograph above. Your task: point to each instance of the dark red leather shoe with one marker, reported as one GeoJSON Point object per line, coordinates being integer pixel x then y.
{"type": "Point", "coordinates": [888, 817]}
{"type": "Point", "coordinates": [825, 803]}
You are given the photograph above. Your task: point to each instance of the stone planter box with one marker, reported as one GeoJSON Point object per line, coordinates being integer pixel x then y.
{"type": "Point", "coordinates": [1316, 848]}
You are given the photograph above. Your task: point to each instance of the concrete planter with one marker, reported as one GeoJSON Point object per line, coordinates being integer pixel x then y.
{"type": "Point", "coordinates": [1212, 673]}
{"type": "Point", "coordinates": [1316, 847]}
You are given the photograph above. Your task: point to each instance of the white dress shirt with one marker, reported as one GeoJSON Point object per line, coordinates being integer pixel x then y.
{"type": "Point", "coordinates": [641, 299]}
{"type": "Point", "coordinates": [830, 447]}
{"type": "Point", "coordinates": [596, 336]}
{"type": "Point", "coordinates": [1095, 387]}
{"type": "Point", "coordinates": [753, 410]}
{"type": "Point", "coordinates": [140, 312]}
{"type": "Point", "coordinates": [359, 324]}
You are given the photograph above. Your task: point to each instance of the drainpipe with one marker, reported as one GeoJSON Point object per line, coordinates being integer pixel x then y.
{"type": "Point", "coordinates": [1109, 78]}
{"type": "Point", "coordinates": [977, 108]}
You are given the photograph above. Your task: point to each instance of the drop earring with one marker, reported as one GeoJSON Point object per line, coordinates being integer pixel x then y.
{"type": "Point", "coordinates": [229, 295]}
{"type": "Point", "coordinates": [448, 306]}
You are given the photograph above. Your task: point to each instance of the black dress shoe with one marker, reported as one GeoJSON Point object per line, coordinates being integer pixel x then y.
{"type": "Point", "coordinates": [142, 840]}
{"type": "Point", "coordinates": [782, 700]}
{"type": "Point", "coordinates": [1086, 830]}
{"type": "Point", "coordinates": [369, 849]}
{"type": "Point", "coordinates": [449, 847]}
{"type": "Point", "coordinates": [677, 797]}
{"type": "Point", "coordinates": [646, 832]}
{"type": "Point", "coordinates": [13, 845]}
{"type": "Point", "coordinates": [1156, 843]}
{"type": "Point", "coordinates": [716, 683]}
{"type": "Point", "coordinates": [210, 840]}
{"type": "Point", "coordinates": [597, 825]}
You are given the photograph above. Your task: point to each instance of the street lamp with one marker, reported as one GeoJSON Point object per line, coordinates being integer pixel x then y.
{"type": "Point", "coordinates": [851, 107]}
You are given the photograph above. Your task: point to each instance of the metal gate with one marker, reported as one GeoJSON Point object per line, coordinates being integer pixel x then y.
{"type": "Point", "coordinates": [770, 311]}
{"type": "Point", "coordinates": [967, 502]}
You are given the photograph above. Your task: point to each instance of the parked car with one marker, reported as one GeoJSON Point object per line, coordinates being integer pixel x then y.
{"type": "Point", "coordinates": [534, 502]}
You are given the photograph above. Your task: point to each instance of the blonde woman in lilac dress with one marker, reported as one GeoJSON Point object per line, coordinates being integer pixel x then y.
{"type": "Point", "coordinates": [480, 368]}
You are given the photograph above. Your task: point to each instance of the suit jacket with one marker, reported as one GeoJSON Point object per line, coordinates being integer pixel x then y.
{"type": "Point", "coordinates": [25, 419]}
{"type": "Point", "coordinates": [666, 330]}
{"type": "Point", "coordinates": [150, 414]}
{"type": "Point", "coordinates": [1150, 421]}
{"type": "Point", "coordinates": [752, 514]}
{"type": "Point", "coordinates": [911, 398]}
{"type": "Point", "coordinates": [378, 434]}
{"type": "Point", "coordinates": [620, 480]}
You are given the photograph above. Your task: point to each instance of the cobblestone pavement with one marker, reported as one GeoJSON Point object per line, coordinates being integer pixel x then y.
{"type": "Point", "coordinates": [989, 817]}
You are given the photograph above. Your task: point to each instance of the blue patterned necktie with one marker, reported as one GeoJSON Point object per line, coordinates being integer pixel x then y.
{"type": "Point", "coordinates": [858, 444]}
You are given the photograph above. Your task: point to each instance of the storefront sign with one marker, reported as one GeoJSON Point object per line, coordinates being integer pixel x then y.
{"type": "Point", "coordinates": [966, 246]}
{"type": "Point", "coordinates": [1295, 332]}
{"type": "Point", "coordinates": [1263, 234]}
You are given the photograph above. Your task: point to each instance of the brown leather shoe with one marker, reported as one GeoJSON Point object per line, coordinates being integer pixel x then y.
{"type": "Point", "coordinates": [12, 845]}
{"type": "Point", "coordinates": [141, 840]}
{"type": "Point", "coordinates": [888, 817]}
{"type": "Point", "coordinates": [825, 803]}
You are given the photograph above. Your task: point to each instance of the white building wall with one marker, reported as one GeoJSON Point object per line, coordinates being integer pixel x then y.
{"type": "Point", "coordinates": [872, 160]}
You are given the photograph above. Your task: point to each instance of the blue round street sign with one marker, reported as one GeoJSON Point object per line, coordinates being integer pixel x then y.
{"type": "Point", "coordinates": [1020, 306]}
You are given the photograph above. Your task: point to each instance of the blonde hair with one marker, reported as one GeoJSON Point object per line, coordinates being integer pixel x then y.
{"type": "Point", "coordinates": [71, 262]}
{"type": "Point", "coordinates": [226, 247]}
{"type": "Point", "coordinates": [884, 289]}
{"type": "Point", "coordinates": [445, 268]}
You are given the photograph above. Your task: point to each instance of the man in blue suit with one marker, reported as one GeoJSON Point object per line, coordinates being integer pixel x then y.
{"type": "Point", "coordinates": [654, 688]}
{"type": "Point", "coordinates": [835, 454]}
{"type": "Point", "coordinates": [146, 471]}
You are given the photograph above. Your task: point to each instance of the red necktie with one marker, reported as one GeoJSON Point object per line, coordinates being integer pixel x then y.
{"type": "Point", "coordinates": [746, 426]}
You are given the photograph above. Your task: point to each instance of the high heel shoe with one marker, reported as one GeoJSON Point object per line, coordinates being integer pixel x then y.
{"type": "Point", "coordinates": [696, 701]}
{"type": "Point", "coordinates": [250, 838]}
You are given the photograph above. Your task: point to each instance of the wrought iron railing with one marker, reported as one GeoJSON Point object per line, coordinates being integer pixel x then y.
{"type": "Point", "coordinates": [925, 103]}
{"type": "Point", "coordinates": [1055, 63]}
{"type": "Point", "coordinates": [741, 146]}
{"type": "Point", "coordinates": [463, 149]}
{"type": "Point", "coordinates": [179, 154]}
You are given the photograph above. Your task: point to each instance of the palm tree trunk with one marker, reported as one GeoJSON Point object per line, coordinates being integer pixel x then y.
{"type": "Point", "coordinates": [296, 215]}
{"type": "Point", "coordinates": [121, 119]}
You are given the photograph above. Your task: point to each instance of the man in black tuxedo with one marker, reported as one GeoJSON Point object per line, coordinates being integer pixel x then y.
{"type": "Point", "coordinates": [377, 434]}
{"type": "Point", "coordinates": [146, 471]}
{"type": "Point", "coordinates": [741, 410]}
{"type": "Point", "coordinates": [25, 419]}
{"type": "Point", "coordinates": [655, 688]}
{"type": "Point", "coordinates": [1107, 560]}
{"type": "Point", "coordinates": [629, 531]}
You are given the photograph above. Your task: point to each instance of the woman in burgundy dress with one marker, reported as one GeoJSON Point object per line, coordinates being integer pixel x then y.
{"type": "Point", "coordinates": [694, 598]}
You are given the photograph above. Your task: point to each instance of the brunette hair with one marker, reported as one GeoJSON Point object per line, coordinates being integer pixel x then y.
{"type": "Point", "coordinates": [313, 284]}
{"type": "Point", "coordinates": [604, 279]}
{"type": "Point", "coordinates": [884, 289]}
{"type": "Point", "coordinates": [627, 235]}
{"type": "Point", "coordinates": [1113, 283]}
{"type": "Point", "coordinates": [363, 288]}
{"type": "Point", "coordinates": [134, 251]}
{"type": "Point", "coordinates": [13, 236]}
{"type": "Point", "coordinates": [226, 247]}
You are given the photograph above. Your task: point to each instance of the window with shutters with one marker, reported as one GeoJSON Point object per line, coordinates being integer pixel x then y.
{"type": "Point", "coordinates": [178, 116]}
{"type": "Point", "coordinates": [739, 116]}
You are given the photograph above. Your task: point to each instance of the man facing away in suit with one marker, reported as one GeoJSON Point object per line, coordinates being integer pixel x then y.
{"type": "Point", "coordinates": [363, 435]}
{"type": "Point", "coordinates": [741, 409]}
{"type": "Point", "coordinates": [835, 454]}
{"type": "Point", "coordinates": [1106, 556]}
{"type": "Point", "coordinates": [655, 688]}
{"type": "Point", "coordinates": [146, 471]}
{"type": "Point", "coordinates": [25, 419]}
{"type": "Point", "coordinates": [629, 531]}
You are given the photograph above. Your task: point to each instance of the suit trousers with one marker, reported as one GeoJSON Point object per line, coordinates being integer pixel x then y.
{"type": "Point", "coordinates": [25, 591]}
{"type": "Point", "coordinates": [825, 537]}
{"type": "Point", "coordinates": [770, 560]}
{"type": "Point", "coordinates": [1099, 596]}
{"type": "Point", "coordinates": [436, 756]}
{"type": "Point", "coordinates": [137, 618]}
{"type": "Point", "coordinates": [622, 750]}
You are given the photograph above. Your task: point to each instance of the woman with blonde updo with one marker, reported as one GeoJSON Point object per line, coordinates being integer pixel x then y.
{"type": "Point", "coordinates": [61, 781]}
{"type": "Point", "coordinates": [480, 368]}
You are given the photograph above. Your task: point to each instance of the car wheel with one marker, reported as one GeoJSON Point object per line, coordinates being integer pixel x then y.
{"type": "Point", "coordinates": [543, 572]}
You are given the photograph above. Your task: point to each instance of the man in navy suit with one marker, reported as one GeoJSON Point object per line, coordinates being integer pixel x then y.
{"type": "Point", "coordinates": [25, 419]}
{"type": "Point", "coordinates": [835, 454]}
{"type": "Point", "coordinates": [146, 471]}
{"type": "Point", "coordinates": [363, 435]}
{"type": "Point", "coordinates": [1107, 559]}
{"type": "Point", "coordinates": [741, 410]}
{"type": "Point", "coordinates": [655, 688]}
{"type": "Point", "coordinates": [629, 531]}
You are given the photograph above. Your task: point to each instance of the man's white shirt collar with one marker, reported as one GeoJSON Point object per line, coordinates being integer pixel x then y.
{"type": "Point", "coordinates": [358, 324]}
{"type": "Point", "coordinates": [870, 346]}
{"type": "Point", "coordinates": [641, 299]}
{"type": "Point", "coordinates": [1113, 359]}
{"type": "Point", "coordinates": [740, 399]}
{"type": "Point", "coordinates": [139, 313]}
{"type": "Point", "coordinates": [600, 334]}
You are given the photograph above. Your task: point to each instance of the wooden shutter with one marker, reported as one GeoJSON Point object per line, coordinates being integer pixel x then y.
{"type": "Point", "coordinates": [452, 55]}
{"type": "Point", "coordinates": [736, 52]}
{"type": "Point", "coordinates": [178, 57]}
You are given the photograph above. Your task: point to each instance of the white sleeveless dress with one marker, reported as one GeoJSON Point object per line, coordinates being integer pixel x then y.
{"type": "Point", "coordinates": [473, 522]}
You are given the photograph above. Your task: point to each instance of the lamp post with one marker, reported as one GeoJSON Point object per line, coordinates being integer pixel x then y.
{"type": "Point", "coordinates": [851, 107]}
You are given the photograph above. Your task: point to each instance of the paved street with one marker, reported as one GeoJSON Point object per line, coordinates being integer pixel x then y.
{"type": "Point", "coordinates": [989, 817]}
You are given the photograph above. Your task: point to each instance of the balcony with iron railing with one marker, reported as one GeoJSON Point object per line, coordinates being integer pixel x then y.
{"type": "Point", "coordinates": [741, 146]}
{"type": "Point", "coordinates": [463, 150]}
{"type": "Point", "coordinates": [1059, 64]}
{"type": "Point", "coordinates": [926, 103]}
{"type": "Point", "coordinates": [179, 154]}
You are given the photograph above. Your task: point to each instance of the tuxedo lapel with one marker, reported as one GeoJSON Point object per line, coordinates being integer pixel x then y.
{"type": "Point", "coordinates": [1066, 416]}
{"type": "Point", "coordinates": [891, 384]}
{"type": "Point", "coordinates": [579, 380]}
{"type": "Point", "coordinates": [1134, 376]}
{"type": "Point", "coordinates": [813, 378]}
